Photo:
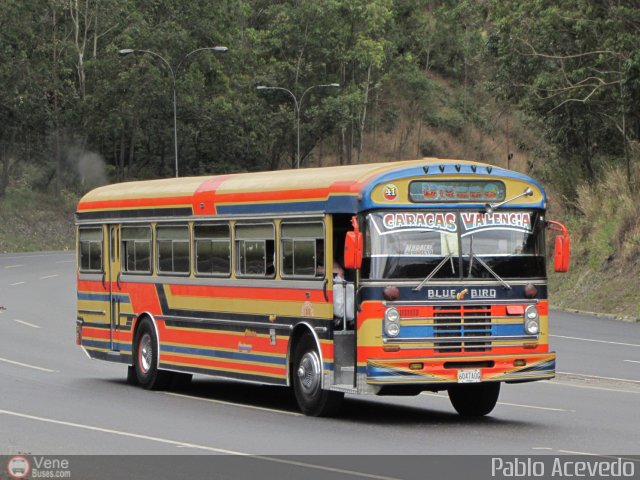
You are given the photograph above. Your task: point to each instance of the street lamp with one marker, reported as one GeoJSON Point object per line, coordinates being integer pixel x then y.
{"type": "Point", "coordinates": [298, 104]}
{"type": "Point", "coordinates": [128, 51]}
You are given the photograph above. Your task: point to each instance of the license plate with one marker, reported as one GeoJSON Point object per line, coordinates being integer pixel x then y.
{"type": "Point", "coordinates": [469, 376]}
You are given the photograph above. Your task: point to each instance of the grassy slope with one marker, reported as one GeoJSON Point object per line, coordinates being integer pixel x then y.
{"type": "Point", "coordinates": [34, 222]}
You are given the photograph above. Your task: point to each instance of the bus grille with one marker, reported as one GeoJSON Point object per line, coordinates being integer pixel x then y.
{"type": "Point", "coordinates": [458, 323]}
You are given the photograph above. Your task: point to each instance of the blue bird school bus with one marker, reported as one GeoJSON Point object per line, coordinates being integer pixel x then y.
{"type": "Point", "coordinates": [384, 279]}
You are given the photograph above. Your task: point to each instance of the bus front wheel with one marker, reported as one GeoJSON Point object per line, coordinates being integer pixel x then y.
{"type": "Point", "coordinates": [307, 382]}
{"type": "Point", "coordinates": [474, 400]}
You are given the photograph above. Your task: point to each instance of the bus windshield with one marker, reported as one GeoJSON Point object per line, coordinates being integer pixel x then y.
{"type": "Point", "coordinates": [454, 245]}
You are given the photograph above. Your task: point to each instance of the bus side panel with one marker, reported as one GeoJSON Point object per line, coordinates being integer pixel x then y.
{"type": "Point", "coordinates": [236, 332]}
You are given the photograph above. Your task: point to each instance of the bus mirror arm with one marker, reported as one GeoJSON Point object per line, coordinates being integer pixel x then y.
{"type": "Point", "coordinates": [104, 278]}
{"type": "Point", "coordinates": [118, 280]}
{"type": "Point", "coordinates": [490, 207]}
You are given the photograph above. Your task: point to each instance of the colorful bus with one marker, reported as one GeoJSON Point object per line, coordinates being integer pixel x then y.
{"type": "Point", "coordinates": [385, 279]}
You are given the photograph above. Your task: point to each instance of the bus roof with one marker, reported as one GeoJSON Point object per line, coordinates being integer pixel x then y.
{"type": "Point", "coordinates": [340, 189]}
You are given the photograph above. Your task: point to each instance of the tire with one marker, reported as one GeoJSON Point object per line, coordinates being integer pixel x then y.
{"type": "Point", "coordinates": [474, 400]}
{"type": "Point", "coordinates": [145, 359]}
{"type": "Point", "coordinates": [307, 382]}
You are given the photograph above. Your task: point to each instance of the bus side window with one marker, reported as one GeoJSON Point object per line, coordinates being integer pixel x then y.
{"type": "Point", "coordinates": [90, 251]}
{"type": "Point", "coordinates": [213, 249]}
{"type": "Point", "coordinates": [172, 249]}
{"type": "Point", "coordinates": [255, 250]}
{"type": "Point", "coordinates": [136, 249]}
{"type": "Point", "coordinates": [302, 249]}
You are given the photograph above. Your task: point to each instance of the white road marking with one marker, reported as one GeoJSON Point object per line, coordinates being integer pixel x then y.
{"type": "Point", "coordinates": [192, 445]}
{"type": "Point", "coordinates": [535, 407]}
{"type": "Point", "coordinates": [633, 361]}
{"type": "Point", "coordinates": [17, 283]}
{"type": "Point", "coordinates": [596, 377]}
{"type": "Point", "coordinates": [49, 276]}
{"type": "Point", "coordinates": [580, 453]}
{"type": "Point", "coordinates": [541, 448]}
{"type": "Point", "coordinates": [590, 387]}
{"type": "Point", "coordinates": [14, 266]}
{"type": "Point", "coordinates": [12, 362]}
{"type": "Point", "coordinates": [26, 323]}
{"type": "Point", "coordinates": [596, 341]}
{"type": "Point", "coordinates": [252, 407]}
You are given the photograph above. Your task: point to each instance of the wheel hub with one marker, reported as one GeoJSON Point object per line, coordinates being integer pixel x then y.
{"type": "Point", "coordinates": [145, 353]}
{"type": "Point", "coordinates": [309, 372]}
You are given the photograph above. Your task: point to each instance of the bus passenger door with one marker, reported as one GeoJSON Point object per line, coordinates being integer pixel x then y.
{"type": "Point", "coordinates": [113, 279]}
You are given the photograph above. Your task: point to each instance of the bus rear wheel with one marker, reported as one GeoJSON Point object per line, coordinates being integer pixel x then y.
{"type": "Point", "coordinates": [145, 359]}
{"type": "Point", "coordinates": [475, 400]}
{"type": "Point", "coordinates": [307, 382]}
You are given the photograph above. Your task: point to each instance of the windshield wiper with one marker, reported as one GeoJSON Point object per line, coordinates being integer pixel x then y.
{"type": "Point", "coordinates": [484, 264]}
{"type": "Point", "coordinates": [434, 271]}
{"type": "Point", "coordinates": [437, 269]}
{"type": "Point", "coordinates": [490, 207]}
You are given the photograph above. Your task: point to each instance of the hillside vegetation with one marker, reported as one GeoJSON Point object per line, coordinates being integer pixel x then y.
{"type": "Point", "coordinates": [546, 88]}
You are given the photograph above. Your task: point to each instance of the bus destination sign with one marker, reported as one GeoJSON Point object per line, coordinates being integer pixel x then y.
{"type": "Point", "coordinates": [437, 191]}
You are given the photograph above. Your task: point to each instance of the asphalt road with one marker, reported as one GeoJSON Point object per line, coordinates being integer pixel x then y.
{"type": "Point", "coordinates": [55, 400]}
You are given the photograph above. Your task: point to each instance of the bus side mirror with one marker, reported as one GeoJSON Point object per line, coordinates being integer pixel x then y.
{"type": "Point", "coordinates": [562, 248]}
{"type": "Point", "coordinates": [353, 247]}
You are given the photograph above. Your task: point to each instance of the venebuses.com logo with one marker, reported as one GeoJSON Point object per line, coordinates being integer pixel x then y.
{"type": "Point", "coordinates": [18, 467]}
{"type": "Point", "coordinates": [38, 467]}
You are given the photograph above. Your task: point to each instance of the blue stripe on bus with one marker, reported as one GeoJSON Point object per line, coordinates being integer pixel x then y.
{"type": "Point", "coordinates": [251, 357]}
{"type": "Point", "coordinates": [106, 344]}
{"type": "Point", "coordinates": [417, 331]}
{"type": "Point", "coordinates": [334, 204]}
{"type": "Point", "coordinates": [102, 297]}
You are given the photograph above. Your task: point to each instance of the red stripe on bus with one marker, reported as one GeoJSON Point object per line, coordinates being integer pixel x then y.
{"type": "Point", "coordinates": [250, 293]}
{"type": "Point", "coordinates": [136, 203]}
{"type": "Point", "coordinates": [221, 339]}
{"type": "Point", "coordinates": [273, 371]}
{"type": "Point", "coordinates": [377, 353]}
{"type": "Point", "coordinates": [204, 199]}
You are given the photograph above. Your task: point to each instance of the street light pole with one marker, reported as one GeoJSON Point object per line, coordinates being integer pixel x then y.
{"type": "Point", "coordinates": [297, 103]}
{"type": "Point", "coordinates": [129, 51]}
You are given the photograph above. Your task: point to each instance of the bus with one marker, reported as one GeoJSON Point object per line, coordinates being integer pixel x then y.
{"type": "Point", "coordinates": [383, 279]}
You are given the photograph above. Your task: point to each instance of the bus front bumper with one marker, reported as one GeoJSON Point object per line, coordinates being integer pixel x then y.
{"type": "Point", "coordinates": [462, 369]}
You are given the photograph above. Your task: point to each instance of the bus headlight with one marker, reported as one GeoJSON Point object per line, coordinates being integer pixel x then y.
{"type": "Point", "coordinates": [392, 322]}
{"type": "Point", "coordinates": [531, 320]}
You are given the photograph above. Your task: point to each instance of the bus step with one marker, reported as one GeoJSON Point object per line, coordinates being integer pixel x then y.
{"type": "Point", "coordinates": [343, 388]}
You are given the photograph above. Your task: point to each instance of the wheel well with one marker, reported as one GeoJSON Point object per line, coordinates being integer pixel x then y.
{"type": "Point", "coordinates": [300, 331]}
